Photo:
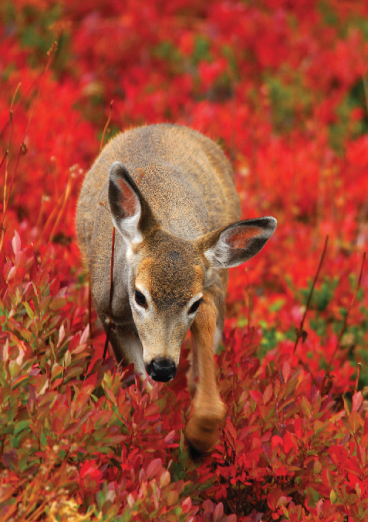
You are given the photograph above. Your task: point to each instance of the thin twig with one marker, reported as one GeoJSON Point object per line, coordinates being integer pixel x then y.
{"type": "Point", "coordinates": [347, 314]}
{"type": "Point", "coordinates": [365, 85]}
{"type": "Point", "coordinates": [49, 220]}
{"type": "Point", "coordinates": [23, 148]}
{"type": "Point", "coordinates": [106, 126]}
{"type": "Point", "coordinates": [40, 214]}
{"type": "Point", "coordinates": [357, 378]}
{"type": "Point", "coordinates": [90, 326]}
{"type": "Point", "coordinates": [109, 324]}
{"type": "Point", "coordinates": [61, 211]}
{"type": "Point", "coordinates": [4, 157]}
{"type": "Point", "coordinates": [248, 298]}
{"type": "Point", "coordinates": [363, 214]}
{"type": "Point", "coordinates": [58, 207]}
{"type": "Point", "coordinates": [14, 492]}
{"type": "Point", "coordinates": [7, 154]}
{"type": "Point", "coordinates": [327, 380]}
{"type": "Point", "coordinates": [300, 333]}
{"type": "Point", "coordinates": [90, 309]}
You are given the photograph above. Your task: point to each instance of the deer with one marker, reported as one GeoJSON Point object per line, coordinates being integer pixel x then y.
{"type": "Point", "coordinates": [169, 191]}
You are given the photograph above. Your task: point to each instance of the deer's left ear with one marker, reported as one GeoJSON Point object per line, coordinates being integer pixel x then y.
{"type": "Point", "coordinates": [237, 243]}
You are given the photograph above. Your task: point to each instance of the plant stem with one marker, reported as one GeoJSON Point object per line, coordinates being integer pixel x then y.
{"type": "Point", "coordinates": [300, 333]}
{"type": "Point", "coordinates": [109, 324]}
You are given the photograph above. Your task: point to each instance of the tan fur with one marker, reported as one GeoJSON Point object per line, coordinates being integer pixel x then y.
{"type": "Point", "coordinates": [187, 181]}
{"type": "Point", "coordinates": [187, 197]}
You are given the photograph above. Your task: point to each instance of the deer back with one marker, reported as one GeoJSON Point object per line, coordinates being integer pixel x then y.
{"type": "Point", "coordinates": [185, 178]}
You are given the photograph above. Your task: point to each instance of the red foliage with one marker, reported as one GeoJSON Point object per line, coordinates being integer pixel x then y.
{"type": "Point", "coordinates": [281, 86]}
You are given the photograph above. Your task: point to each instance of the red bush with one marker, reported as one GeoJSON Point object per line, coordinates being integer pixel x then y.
{"type": "Point", "coordinates": [280, 85]}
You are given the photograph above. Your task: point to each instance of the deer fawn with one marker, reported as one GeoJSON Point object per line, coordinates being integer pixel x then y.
{"type": "Point", "coordinates": [178, 233]}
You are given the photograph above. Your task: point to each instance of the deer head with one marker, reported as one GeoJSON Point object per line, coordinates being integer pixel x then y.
{"type": "Point", "coordinates": [167, 274]}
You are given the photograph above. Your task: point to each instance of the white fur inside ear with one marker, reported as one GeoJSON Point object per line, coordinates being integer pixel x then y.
{"type": "Point", "coordinates": [129, 252]}
{"type": "Point", "coordinates": [128, 228]}
{"type": "Point", "coordinates": [219, 255]}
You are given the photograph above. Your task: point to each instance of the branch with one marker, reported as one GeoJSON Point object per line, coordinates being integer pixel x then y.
{"type": "Point", "coordinates": [348, 312]}
{"type": "Point", "coordinates": [326, 387]}
{"type": "Point", "coordinates": [110, 323]}
{"type": "Point", "coordinates": [23, 149]}
{"type": "Point", "coordinates": [300, 332]}
{"type": "Point", "coordinates": [5, 194]}
{"type": "Point", "coordinates": [107, 124]}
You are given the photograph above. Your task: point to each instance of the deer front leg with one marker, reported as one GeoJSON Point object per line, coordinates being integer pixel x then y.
{"type": "Point", "coordinates": [209, 411]}
{"type": "Point", "coordinates": [192, 373]}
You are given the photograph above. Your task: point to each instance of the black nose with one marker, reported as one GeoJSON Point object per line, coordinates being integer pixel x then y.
{"type": "Point", "coordinates": [161, 369]}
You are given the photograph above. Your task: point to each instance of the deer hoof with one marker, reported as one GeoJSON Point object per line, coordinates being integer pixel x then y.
{"type": "Point", "coordinates": [203, 430]}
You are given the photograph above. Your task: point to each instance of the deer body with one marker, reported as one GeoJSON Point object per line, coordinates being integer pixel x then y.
{"type": "Point", "coordinates": [170, 193]}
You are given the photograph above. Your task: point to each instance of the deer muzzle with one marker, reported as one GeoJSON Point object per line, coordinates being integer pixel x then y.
{"type": "Point", "coordinates": [162, 369]}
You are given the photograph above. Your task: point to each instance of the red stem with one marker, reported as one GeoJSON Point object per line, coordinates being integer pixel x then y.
{"type": "Point", "coordinates": [347, 314]}
{"type": "Point", "coordinates": [300, 330]}
{"type": "Point", "coordinates": [111, 293]}
{"type": "Point", "coordinates": [107, 124]}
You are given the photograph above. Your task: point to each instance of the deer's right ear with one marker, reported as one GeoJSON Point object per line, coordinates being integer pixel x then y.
{"type": "Point", "coordinates": [126, 203]}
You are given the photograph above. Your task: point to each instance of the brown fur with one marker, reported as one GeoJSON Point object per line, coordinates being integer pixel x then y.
{"type": "Point", "coordinates": [175, 269]}
{"type": "Point", "coordinates": [187, 181]}
{"type": "Point", "coordinates": [187, 198]}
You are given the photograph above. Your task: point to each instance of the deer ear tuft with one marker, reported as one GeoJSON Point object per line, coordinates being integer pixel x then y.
{"type": "Point", "coordinates": [239, 242]}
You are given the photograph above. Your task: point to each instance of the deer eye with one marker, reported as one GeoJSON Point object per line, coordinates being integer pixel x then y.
{"type": "Point", "coordinates": [195, 306]}
{"type": "Point", "coordinates": [140, 299]}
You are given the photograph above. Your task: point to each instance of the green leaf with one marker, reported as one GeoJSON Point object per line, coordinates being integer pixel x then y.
{"type": "Point", "coordinates": [58, 303]}
{"type": "Point", "coordinates": [277, 305]}
{"type": "Point", "coordinates": [306, 406]}
{"type": "Point", "coordinates": [67, 359]}
{"type": "Point", "coordinates": [19, 380]}
{"type": "Point", "coordinates": [28, 310]}
{"type": "Point", "coordinates": [20, 426]}
{"type": "Point", "coordinates": [313, 495]}
{"type": "Point", "coordinates": [355, 421]}
{"type": "Point", "coordinates": [14, 442]}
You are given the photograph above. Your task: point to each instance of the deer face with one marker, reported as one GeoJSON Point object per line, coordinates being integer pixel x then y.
{"type": "Point", "coordinates": [165, 292]}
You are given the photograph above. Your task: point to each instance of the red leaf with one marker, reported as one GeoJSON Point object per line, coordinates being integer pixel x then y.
{"type": "Point", "coordinates": [357, 401]}
{"type": "Point", "coordinates": [256, 395]}
{"type": "Point", "coordinates": [276, 441]}
{"type": "Point", "coordinates": [154, 468]}
{"type": "Point", "coordinates": [286, 371]}
{"type": "Point", "coordinates": [267, 394]}
{"type": "Point", "coordinates": [218, 512]}
{"type": "Point", "coordinates": [16, 243]}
